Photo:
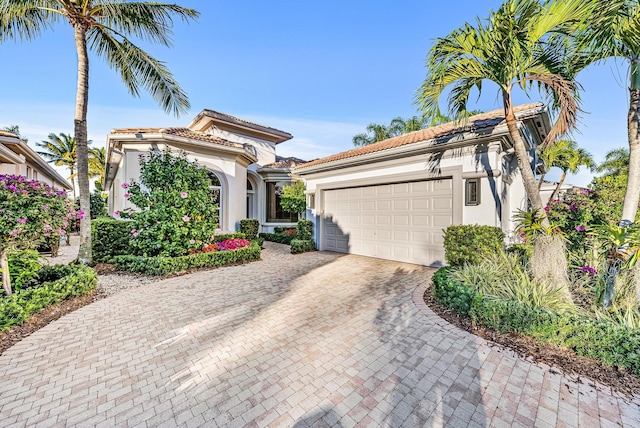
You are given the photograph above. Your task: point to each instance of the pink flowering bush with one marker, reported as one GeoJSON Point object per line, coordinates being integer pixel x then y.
{"type": "Point", "coordinates": [32, 213]}
{"type": "Point", "coordinates": [176, 210]}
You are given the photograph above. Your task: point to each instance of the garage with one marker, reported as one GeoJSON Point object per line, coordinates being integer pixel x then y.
{"type": "Point", "coordinates": [395, 221]}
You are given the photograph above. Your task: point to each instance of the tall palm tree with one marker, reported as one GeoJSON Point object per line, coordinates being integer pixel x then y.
{"type": "Point", "coordinates": [554, 155]}
{"type": "Point", "coordinates": [97, 163]}
{"type": "Point", "coordinates": [616, 162]}
{"type": "Point", "coordinates": [618, 35]}
{"type": "Point", "coordinates": [510, 49]}
{"type": "Point", "coordinates": [61, 151]}
{"type": "Point", "coordinates": [105, 26]}
{"type": "Point", "coordinates": [575, 158]}
{"type": "Point", "coordinates": [15, 129]}
{"type": "Point", "coordinates": [397, 126]}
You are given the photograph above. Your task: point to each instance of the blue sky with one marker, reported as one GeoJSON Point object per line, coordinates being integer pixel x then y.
{"type": "Point", "coordinates": [319, 70]}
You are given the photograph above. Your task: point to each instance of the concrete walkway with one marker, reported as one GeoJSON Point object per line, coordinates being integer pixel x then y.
{"type": "Point", "coordinates": [316, 339]}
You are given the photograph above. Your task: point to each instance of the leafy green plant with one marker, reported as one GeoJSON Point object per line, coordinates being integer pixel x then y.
{"type": "Point", "coordinates": [530, 225]}
{"type": "Point", "coordinates": [279, 237]}
{"type": "Point", "coordinates": [302, 245]}
{"type": "Point", "coordinates": [24, 266]}
{"type": "Point", "coordinates": [160, 265]}
{"type": "Point", "coordinates": [471, 243]}
{"type": "Point", "coordinates": [250, 227]}
{"type": "Point", "coordinates": [110, 237]}
{"type": "Point", "coordinates": [60, 282]}
{"type": "Point", "coordinates": [293, 198]}
{"type": "Point", "coordinates": [176, 213]}
{"type": "Point", "coordinates": [305, 230]}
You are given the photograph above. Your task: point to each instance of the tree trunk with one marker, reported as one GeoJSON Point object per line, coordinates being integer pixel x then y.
{"type": "Point", "coordinates": [557, 189]}
{"type": "Point", "coordinates": [529, 179]}
{"type": "Point", "coordinates": [541, 181]}
{"type": "Point", "coordinates": [6, 278]}
{"type": "Point", "coordinates": [80, 129]}
{"type": "Point", "coordinates": [73, 183]}
{"type": "Point", "coordinates": [632, 196]}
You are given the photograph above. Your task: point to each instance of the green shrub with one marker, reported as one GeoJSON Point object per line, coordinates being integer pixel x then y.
{"type": "Point", "coordinates": [24, 267]}
{"type": "Point", "coordinates": [166, 265]}
{"type": "Point", "coordinates": [522, 251]}
{"type": "Point", "coordinates": [471, 243]}
{"type": "Point", "coordinates": [60, 282]}
{"type": "Point", "coordinates": [302, 245]}
{"type": "Point", "coordinates": [280, 238]}
{"type": "Point", "coordinates": [305, 230]}
{"type": "Point", "coordinates": [109, 238]}
{"type": "Point", "coordinates": [258, 241]}
{"type": "Point", "coordinates": [606, 341]}
{"type": "Point", "coordinates": [250, 227]}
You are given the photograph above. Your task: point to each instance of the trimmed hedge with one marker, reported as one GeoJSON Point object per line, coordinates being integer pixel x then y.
{"type": "Point", "coordinates": [302, 245]}
{"type": "Point", "coordinates": [606, 341]}
{"type": "Point", "coordinates": [60, 282]}
{"type": "Point", "coordinates": [280, 238]}
{"type": "Point", "coordinates": [471, 243]}
{"type": "Point", "coordinates": [109, 238]}
{"type": "Point", "coordinates": [305, 230]}
{"type": "Point", "coordinates": [250, 227]}
{"type": "Point", "coordinates": [167, 265]}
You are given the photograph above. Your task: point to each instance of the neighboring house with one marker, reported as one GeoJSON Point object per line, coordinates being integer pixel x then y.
{"type": "Point", "coordinates": [17, 158]}
{"type": "Point", "coordinates": [548, 187]}
{"type": "Point", "coordinates": [240, 156]}
{"type": "Point", "coordinates": [392, 199]}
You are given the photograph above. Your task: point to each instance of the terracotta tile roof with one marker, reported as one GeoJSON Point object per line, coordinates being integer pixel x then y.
{"type": "Point", "coordinates": [8, 134]}
{"type": "Point", "coordinates": [282, 162]}
{"type": "Point", "coordinates": [230, 118]}
{"type": "Point", "coordinates": [474, 123]}
{"type": "Point", "coordinates": [178, 132]}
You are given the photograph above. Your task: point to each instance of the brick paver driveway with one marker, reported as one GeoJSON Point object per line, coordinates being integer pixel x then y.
{"type": "Point", "coordinates": [315, 339]}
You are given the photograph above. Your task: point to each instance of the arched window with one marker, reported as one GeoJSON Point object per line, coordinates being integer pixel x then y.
{"type": "Point", "coordinates": [250, 200]}
{"type": "Point", "coordinates": [216, 193]}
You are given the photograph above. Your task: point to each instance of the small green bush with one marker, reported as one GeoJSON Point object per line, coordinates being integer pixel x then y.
{"type": "Point", "coordinates": [60, 282]}
{"type": "Point", "coordinates": [24, 268]}
{"type": "Point", "coordinates": [166, 265]}
{"type": "Point", "coordinates": [280, 238]}
{"type": "Point", "coordinates": [305, 230]}
{"type": "Point", "coordinates": [471, 243]}
{"type": "Point", "coordinates": [606, 341]}
{"type": "Point", "coordinates": [250, 227]}
{"type": "Point", "coordinates": [109, 238]}
{"type": "Point", "coordinates": [302, 245]}
{"type": "Point", "coordinates": [522, 251]}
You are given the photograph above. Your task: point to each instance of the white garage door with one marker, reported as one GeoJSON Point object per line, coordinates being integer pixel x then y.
{"type": "Point", "coordinates": [400, 221]}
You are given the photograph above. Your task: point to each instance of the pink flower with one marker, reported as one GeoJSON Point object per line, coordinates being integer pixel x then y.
{"type": "Point", "coordinates": [22, 220]}
{"type": "Point", "coordinates": [192, 241]}
{"type": "Point", "coordinates": [183, 195]}
{"type": "Point", "coordinates": [185, 218]}
{"type": "Point", "coordinates": [80, 214]}
{"type": "Point", "coordinates": [44, 208]}
{"type": "Point", "coordinates": [135, 234]}
{"type": "Point", "coordinates": [125, 186]}
{"type": "Point", "coordinates": [581, 228]}
{"type": "Point", "coordinates": [116, 213]}
{"type": "Point", "coordinates": [127, 196]}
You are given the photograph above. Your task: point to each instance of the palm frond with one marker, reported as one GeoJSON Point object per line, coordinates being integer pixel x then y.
{"type": "Point", "coordinates": [145, 20]}
{"type": "Point", "coordinates": [26, 19]}
{"type": "Point", "coordinates": [138, 68]}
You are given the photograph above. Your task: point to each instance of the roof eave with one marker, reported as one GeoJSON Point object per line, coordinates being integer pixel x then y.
{"type": "Point", "coordinates": [271, 134]}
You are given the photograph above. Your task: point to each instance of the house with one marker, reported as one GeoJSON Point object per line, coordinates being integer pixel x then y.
{"type": "Point", "coordinates": [392, 199]}
{"type": "Point", "coordinates": [239, 155]}
{"type": "Point", "coordinates": [548, 187]}
{"type": "Point", "coordinates": [17, 158]}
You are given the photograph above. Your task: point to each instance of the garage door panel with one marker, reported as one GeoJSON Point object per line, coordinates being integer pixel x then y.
{"type": "Point", "coordinates": [399, 221]}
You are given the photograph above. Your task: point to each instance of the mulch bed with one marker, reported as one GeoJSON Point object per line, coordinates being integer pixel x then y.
{"type": "Point", "coordinates": [582, 369]}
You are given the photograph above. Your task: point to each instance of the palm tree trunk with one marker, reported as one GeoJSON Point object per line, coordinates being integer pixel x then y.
{"type": "Point", "coordinates": [6, 278]}
{"type": "Point", "coordinates": [541, 181]}
{"type": "Point", "coordinates": [530, 183]}
{"type": "Point", "coordinates": [73, 184]}
{"type": "Point", "coordinates": [80, 129]}
{"type": "Point", "coordinates": [557, 189]}
{"type": "Point", "coordinates": [632, 196]}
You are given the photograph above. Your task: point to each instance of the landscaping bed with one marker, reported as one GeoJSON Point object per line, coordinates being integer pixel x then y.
{"type": "Point", "coordinates": [621, 379]}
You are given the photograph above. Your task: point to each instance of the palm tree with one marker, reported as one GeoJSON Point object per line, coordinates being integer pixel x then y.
{"type": "Point", "coordinates": [574, 159]}
{"type": "Point", "coordinates": [97, 163]}
{"type": "Point", "coordinates": [104, 26]}
{"type": "Point", "coordinates": [510, 50]}
{"type": "Point", "coordinates": [61, 151]}
{"type": "Point", "coordinates": [616, 162]}
{"type": "Point", "coordinates": [15, 129]}
{"type": "Point", "coordinates": [398, 126]}
{"type": "Point", "coordinates": [618, 35]}
{"type": "Point", "coordinates": [554, 155]}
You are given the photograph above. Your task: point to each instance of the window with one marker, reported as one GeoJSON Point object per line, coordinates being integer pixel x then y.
{"type": "Point", "coordinates": [28, 172]}
{"type": "Point", "coordinates": [275, 213]}
{"type": "Point", "coordinates": [472, 191]}
{"type": "Point", "coordinates": [216, 193]}
{"type": "Point", "coordinates": [250, 198]}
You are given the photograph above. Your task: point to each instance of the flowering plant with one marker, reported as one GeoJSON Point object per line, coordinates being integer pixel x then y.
{"type": "Point", "coordinates": [176, 212]}
{"type": "Point", "coordinates": [32, 213]}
